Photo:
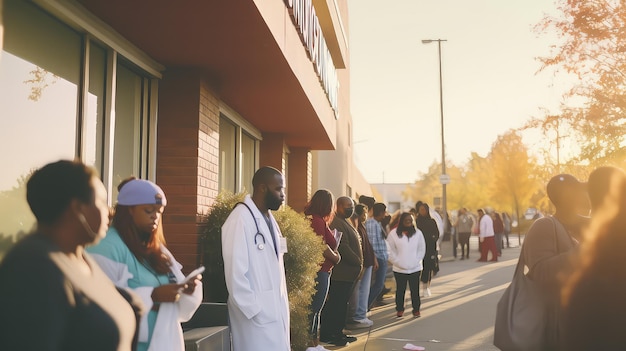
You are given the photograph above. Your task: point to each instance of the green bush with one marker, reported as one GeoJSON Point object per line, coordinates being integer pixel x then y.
{"type": "Point", "coordinates": [302, 261]}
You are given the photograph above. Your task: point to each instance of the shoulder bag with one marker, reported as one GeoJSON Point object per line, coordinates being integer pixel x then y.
{"type": "Point", "coordinates": [522, 314]}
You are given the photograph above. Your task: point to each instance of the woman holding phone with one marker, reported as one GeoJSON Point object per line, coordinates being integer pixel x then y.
{"type": "Point", "coordinates": [134, 256]}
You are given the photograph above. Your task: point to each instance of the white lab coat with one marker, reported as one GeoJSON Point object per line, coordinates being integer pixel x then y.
{"type": "Point", "coordinates": [258, 306]}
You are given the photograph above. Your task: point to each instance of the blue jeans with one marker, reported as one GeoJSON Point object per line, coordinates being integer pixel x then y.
{"type": "Point", "coordinates": [319, 298]}
{"type": "Point", "coordinates": [362, 292]}
{"type": "Point", "coordinates": [379, 281]}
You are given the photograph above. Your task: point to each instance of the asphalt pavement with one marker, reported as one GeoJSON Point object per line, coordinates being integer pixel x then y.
{"type": "Point", "coordinates": [458, 316]}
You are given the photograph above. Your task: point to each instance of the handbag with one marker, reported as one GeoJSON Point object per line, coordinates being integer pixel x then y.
{"type": "Point", "coordinates": [523, 314]}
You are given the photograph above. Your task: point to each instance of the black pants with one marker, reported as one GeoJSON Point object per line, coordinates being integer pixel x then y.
{"type": "Point", "coordinates": [414, 286]}
{"type": "Point", "coordinates": [333, 318]}
{"type": "Point", "coordinates": [464, 241]}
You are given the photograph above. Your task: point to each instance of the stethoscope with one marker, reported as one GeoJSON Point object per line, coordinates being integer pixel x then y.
{"type": "Point", "coordinates": [259, 245]}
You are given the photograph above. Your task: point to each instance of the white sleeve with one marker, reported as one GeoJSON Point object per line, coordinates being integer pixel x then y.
{"type": "Point", "coordinates": [421, 245]}
{"type": "Point", "coordinates": [116, 271]}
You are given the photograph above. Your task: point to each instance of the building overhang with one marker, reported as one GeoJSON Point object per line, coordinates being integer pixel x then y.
{"type": "Point", "coordinates": [333, 29]}
{"type": "Point", "coordinates": [249, 50]}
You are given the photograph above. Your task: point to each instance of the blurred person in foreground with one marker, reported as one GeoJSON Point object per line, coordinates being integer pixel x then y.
{"type": "Point", "coordinates": [253, 249]}
{"type": "Point", "coordinates": [549, 247]}
{"type": "Point", "coordinates": [134, 256]}
{"type": "Point", "coordinates": [594, 313]}
{"type": "Point", "coordinates": [406, 253]}
{"type": "Point", "coordinates": [320, 210]}
{"type": "Point", "coordinates": [53, 295]}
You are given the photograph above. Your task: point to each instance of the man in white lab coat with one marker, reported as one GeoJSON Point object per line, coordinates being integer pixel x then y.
{"type": "Point", "coordinates": [253, 249]}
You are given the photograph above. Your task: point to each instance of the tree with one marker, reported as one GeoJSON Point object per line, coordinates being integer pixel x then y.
{"type": "Point", "coordinates": [479, 174]}
{"type": "Point", "coordinates": [427, 187]}
{"type": "Point", "coordinates": [593, 47]}
{"type": "Point", "coordinates": [513, 183]}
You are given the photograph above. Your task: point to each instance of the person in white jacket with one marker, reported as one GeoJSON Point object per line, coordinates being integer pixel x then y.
{"type": "Point", "coordinates": [253, 249]}
{"type": "Point", "coordinates": [133, 255]}
{"type": "Point", "coordinates": [406, 251]}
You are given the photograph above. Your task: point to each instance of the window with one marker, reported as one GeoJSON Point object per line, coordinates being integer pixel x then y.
{"type": "Point", "coordinates": [228, 155]}
{"type": "Point", "coordinates": [239, 143]}
{"type": "Point", "coordinates": [51, 109]}
{"type": "Point", "coordinates": [93, 121]}
{"type": "Point", "coordinates": [39, 86]}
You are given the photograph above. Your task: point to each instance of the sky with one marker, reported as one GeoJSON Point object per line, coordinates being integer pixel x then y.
{"type": "Point", "coordinates": [490, 80]}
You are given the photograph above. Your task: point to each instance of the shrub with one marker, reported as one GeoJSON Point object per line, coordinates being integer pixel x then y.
{"type": "Point", "coordinates": [304, 254]}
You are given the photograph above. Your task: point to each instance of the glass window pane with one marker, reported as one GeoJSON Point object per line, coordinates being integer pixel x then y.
{"type": "Point", "coordinates": [248, 161]}
{"type": "Point", "coordinates": [39, 75]}
{"type": "Point", "coordinates": [228, 147]}
{"type": "Point", "coordinates": [94, 118]}
{"type": "Point", "coordinates": [127, 138]}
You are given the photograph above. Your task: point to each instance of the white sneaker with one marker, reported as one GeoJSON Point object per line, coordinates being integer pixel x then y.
{"type": "Point", "coordinates": [427, 292]}
{"type": "Point", "coordinates": [312, 349]}
{"type": "Point", "coordinates": [365, 321]}
{"type": "Point", "coordinates": [319, 348]}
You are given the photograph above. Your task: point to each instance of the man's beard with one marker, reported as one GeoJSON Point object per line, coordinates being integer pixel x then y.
{"type": "Point", "coordinates": [272, 202]}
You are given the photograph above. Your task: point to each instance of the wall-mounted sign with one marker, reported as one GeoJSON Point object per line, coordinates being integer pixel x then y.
{"type": "Point", "coordinates": [303, 15]}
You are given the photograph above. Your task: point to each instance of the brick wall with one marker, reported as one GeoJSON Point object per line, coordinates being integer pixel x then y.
{"type": "Point", "coordinates": [299, 181]}
{"type": "Point", "coordinates": [187, 159]}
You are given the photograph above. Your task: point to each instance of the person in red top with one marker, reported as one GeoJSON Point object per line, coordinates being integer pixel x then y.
{"type": "Point", "coordinates": [319, 210]}
{"type": "Point", "coordinates": [498, 230]}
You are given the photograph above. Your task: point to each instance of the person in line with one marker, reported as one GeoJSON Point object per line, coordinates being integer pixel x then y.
{"type": "Point", "coordinates": [506, 219]}
{"type": "Point", "coordinates": [550, 247]}
{"type": "Point", "coordinates": [486, 237]}
{"type": "Point", "coordinates": [53, 295]}
{"type": "Point", "coordinates": [369, 202]}
{"type": "Point", "coordinates": [450, 228]}
{"type": "Point", "coordinates": [320, 210]}
{"type": "Point", "coordinates": [345, 274]}
{"type": "Point", "coordinates": [406, 253]}
{"type": "Point", "coordinates": [377, 235]}
{"type": "Point", "coordinates": [428, 226]}
{"type": "Point", "coordinates": [134, 256]}
{"type": "Point", "coordinates": [464, 225]}
{"type": "Point", "coordinates": [438, 219]}
{"type": "Point", "coordinates": [498, 230]}
{"type": "Point", "coordinates": [253, 249]}
{"type": "Point", "coordinates": [357, 311]}
{"type": "Point", "coordinates": [593, 314]}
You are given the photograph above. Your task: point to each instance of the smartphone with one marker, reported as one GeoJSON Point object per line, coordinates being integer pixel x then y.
{"type": "Point", "coordinates": [193, 274]}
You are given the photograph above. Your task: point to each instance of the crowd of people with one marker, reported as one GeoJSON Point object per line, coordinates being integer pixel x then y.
{"type": "Point", "coordinates": [362, 240]}
{"type": "Point", "coordinates": [118, 287]}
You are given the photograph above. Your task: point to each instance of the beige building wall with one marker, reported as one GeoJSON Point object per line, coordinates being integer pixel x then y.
{"type": "Point", "coordinates": [335, 170]}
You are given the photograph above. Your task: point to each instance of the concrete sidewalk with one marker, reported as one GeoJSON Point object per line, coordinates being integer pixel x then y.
{"type": "Point", "coordinates": [458, 316]}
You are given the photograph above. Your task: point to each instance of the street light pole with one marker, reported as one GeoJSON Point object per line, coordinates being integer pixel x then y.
{"type": "Point", "coordinates": [444, 179]}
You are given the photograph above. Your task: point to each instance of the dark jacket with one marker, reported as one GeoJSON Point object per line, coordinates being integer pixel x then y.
{"type": "Point", "coordinates": [351, 264]}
